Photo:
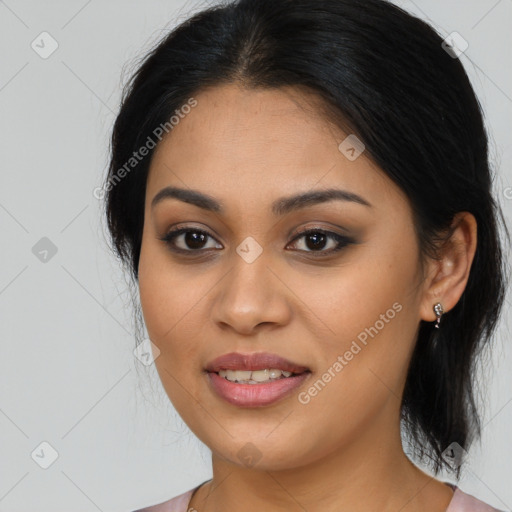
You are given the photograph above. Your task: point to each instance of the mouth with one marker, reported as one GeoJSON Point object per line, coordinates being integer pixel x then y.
{"type": "Point", "coordinates": [254, 380]}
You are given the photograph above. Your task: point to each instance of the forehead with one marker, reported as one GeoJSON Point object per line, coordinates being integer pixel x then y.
{"type": "Point", "coordinates": [249, 145]}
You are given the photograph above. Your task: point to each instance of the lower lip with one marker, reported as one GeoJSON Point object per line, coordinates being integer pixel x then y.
{"type": "Point", "coordinates": [255, 395]}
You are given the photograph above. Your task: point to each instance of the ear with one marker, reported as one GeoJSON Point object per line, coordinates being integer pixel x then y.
{"type": "Point", "coordinates": [447, 276]}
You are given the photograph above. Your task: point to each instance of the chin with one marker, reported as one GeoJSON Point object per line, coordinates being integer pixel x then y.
{"type": "Point", "coordinates": [254, 451]}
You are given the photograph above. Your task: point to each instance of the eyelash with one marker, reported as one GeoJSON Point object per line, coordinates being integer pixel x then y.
{"type": "Point", "coordinates": [342, 241]}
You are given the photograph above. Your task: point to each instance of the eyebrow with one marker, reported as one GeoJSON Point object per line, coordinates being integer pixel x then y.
{"type": "Point", "coordinates": [281, 206]}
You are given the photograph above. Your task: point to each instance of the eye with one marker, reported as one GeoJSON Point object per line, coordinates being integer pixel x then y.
{"type": "Point", "coordinates": [189, 240]}
{"type": "Point", "coordinates": [317, 240]}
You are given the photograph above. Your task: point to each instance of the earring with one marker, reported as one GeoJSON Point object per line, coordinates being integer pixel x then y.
{"type": "Point", "coordinates": [438, 310]}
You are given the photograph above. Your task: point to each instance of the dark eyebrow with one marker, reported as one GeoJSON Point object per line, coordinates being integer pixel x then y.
{"type": "Point", "coordinates": [279, 207]}
{"type": "Point", "coordinates": [288, 204]}
{"type": "Point", "coordinates": [188, 196]}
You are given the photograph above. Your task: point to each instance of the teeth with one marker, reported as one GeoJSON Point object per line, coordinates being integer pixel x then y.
{"type": "Point", "coordinates": [242, 374]}
{"type": "Point", "coordinates": [253, 377]}
{"type": "Point", "coordinates": [261, 375]}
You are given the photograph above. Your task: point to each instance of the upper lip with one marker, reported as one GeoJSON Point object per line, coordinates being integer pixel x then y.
{"type": "Point", "coordinates": [257, 361]}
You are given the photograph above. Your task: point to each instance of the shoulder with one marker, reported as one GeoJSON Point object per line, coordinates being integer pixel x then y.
{"type": "Point", "coordinates": [176, 504]}
{"type": "Point", "coordinates": [463, 502]}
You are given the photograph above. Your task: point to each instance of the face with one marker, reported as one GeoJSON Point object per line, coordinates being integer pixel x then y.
{"type": "Point", "coordinates": [327, 287]}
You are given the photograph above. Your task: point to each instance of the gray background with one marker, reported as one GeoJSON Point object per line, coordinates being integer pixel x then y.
{"type": "Point", "coordinates": [68, 374]}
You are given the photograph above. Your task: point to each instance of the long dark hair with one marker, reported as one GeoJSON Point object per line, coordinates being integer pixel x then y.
{"type": "Point", "coordinates": [384, 76]}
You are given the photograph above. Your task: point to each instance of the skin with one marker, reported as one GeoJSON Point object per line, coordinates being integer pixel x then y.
{"type": "Point", "coordinates": [246, 148]}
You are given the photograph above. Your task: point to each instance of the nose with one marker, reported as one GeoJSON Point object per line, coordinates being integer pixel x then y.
{"type": "Point", "coordinates": [251, 297]}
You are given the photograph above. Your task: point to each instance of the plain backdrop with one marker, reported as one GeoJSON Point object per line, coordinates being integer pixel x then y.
{"type": "Point", "coordinates": [73, 397]}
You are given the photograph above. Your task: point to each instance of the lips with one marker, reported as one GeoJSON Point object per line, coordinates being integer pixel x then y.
{"type": "Point", "coordinates": [252, 362]}
{"type": "Point", "coordinates": [255, 394]}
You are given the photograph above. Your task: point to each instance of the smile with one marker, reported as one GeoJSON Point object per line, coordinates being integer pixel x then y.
{"type": "Point", "coordinates": [254, 380]}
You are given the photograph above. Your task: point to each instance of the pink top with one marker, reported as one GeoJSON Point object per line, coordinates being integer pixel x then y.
{"type": "Point", "coordinates": [461, 502]}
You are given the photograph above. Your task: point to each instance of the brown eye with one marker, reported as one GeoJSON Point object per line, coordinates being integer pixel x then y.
{"type": "Point", "coordinates": [316, 240]}
{"type": "Point", "coordinates": [188, 240]}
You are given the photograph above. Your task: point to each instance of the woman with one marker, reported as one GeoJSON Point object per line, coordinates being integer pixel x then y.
{"type": "Point", "coordinates": [301, 191]}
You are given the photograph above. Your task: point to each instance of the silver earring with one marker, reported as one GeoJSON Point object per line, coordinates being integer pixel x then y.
{"type": "Point", "coordinates": [438, 310]}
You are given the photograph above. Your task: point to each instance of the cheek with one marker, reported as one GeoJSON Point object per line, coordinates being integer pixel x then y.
{"type": "Point", "coordinates": [352, 296]}
{"type": "Point", "coordinates": [161, 290]}
{"type": "Point", "coordinates": [367, 310]}
{"type": "Point", "coordinates": [173, 299]}
{"type": "Point", "coordinates": [168, 309]}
